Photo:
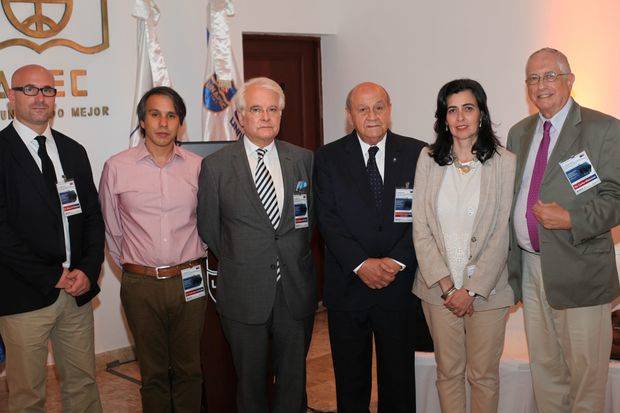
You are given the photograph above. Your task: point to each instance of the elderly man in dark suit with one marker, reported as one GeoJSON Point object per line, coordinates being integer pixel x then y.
{"type": "Point", "coordinates": [562, 262]}
{"type": "Point", "coordinates": [363, 186]}
{"type": "Point", "coordinates": [51, 250]}
{"type": "Point", "coordinates": [255, 214]}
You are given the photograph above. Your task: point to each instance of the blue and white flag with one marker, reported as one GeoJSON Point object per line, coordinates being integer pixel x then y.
{"type": "Point", "coordinates": [151, 70]}
{"type": "Point", "coordinates": [219, 119]}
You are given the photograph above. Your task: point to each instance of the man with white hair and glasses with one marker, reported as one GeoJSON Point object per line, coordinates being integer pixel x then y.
{"type": "Point", "coordinates": [255, 213]}
{"type": "Point", "coordinates": [562, 262]}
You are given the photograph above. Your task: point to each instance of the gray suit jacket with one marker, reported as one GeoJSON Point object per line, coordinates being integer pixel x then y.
{"type": "Point", "coordinates": [489, 238]}
{"type": "Point", "coordinates": [578, 265]}
{"type": "Point", "coordinates": [234, 224]}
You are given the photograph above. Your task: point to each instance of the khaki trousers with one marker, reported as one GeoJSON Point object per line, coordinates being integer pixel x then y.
{"type": "Point", "coordinates": [467, 343]}
{"type": "Point", "coordinates": [167, 332]}
{"type": "Point", "coordinates": [569, 349]}
{"type": "Point", "coordinates": [71, 331]}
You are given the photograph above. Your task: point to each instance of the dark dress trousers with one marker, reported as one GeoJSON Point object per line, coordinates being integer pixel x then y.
{"type": "Point", "coordinates": [32, 247]}
{"type": "Point", "coordinates": [354, 230]}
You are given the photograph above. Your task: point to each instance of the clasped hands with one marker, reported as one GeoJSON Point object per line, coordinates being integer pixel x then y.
{"type": "Point", "coordinates": [378, 273]}
{"type": "Point", "coordinates": [74, 282]}
{"type": "Point", "coordinates": [460, 303]}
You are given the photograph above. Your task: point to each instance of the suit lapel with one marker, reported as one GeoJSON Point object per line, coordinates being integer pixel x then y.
{"type": "Point", "coordinates": [287, 164]}
{"type": "Point", "coordinates": [525, 141]}
{"type": "Point", "coordinates": [568, 135]}
{"type": "Point", "coordinates": [435, 180]}
{"type": "Point", "coordinates": [67, 166]}
{"type": "Point", "coordinates": [23, 158]}
{"type": "Point", "coordinates": [488, 173]}
{"type": "Point", "coordinates": [246, 180]}
{"type": "Point", "coordinates": [393, 167]}
{"type": "Point", "coordinates": [357, 168]}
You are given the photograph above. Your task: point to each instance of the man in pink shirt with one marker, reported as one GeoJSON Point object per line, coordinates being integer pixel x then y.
{"type": "Point", "coordinates": [148, 198]}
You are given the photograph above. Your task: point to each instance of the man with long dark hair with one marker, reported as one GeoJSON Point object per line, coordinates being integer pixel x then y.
{"type": "Point", "coordinates": [148, 197]}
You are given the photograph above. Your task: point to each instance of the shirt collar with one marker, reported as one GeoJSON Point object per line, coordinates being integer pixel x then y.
{"type": "Point", "coordinates": [250, 147]}
{"type": "Point", "coordinates": [27, 135]}
{"type": "Point", "coordinates": [142, 152]}
{"type": "Point", "coordinates": [365, 146]}
{"type": "Point", "coordinates": [557, 120]}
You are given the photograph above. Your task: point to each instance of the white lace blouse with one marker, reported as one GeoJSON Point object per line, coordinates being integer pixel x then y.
{"type": "Point", "coordinates": [457, 204]}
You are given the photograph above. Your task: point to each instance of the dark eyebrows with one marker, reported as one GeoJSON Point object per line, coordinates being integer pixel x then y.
{"type": "Point", "coordinates": [465, 105]}
{"type": "Point", "coordinates": [153, 110]}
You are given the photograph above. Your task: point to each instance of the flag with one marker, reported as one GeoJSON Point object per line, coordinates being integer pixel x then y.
{"type": "Point", "coordinates": [151, 70]}
{"type": "Point", "coordinates": [219, 120]}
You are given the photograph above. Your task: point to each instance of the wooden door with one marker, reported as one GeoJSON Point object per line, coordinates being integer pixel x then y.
{"type": "Point", "coordinates": [295, 63]}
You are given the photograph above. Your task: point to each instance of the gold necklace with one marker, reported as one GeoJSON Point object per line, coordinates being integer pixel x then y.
{"type": "Point", "coordinates": [464, 168]}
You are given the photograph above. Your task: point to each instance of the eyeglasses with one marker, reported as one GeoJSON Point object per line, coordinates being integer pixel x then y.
{"type": "Point", "coordinates": [30, 90]}
{"type": "Point", "coordinates": [258, 111]}
{"type": "Point", "coordinates": [548, 77]}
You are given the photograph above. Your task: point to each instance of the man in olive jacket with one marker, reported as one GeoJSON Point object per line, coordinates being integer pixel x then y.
{"type": "Point", "coordinates": [562, 262]}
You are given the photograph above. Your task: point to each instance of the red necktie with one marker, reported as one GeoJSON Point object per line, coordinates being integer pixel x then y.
{"type": "Point", "coordinates": [537, 175]}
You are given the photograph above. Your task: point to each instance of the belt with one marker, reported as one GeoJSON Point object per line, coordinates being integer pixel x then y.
{"type": "Point", "coordinates": [162, 272]}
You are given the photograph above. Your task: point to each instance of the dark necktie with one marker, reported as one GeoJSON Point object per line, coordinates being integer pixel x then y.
{"type": "Point", "coordinates": [47, 167]}
{"type": "Point", "coordinates": [537, 175]}
{"type": "Point", "coordinates": [374, 177]}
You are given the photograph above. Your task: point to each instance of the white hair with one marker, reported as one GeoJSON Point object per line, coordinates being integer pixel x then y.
{"type": "Point", "coordinates": [262, 82]}
{"type": "Point", "coordinates": [560, 58]}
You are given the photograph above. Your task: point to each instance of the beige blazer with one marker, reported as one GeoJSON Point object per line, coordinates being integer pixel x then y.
{"type": "Point", "coordinates": [490, 235]}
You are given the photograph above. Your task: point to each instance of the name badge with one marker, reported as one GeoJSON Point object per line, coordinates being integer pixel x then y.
{"type": "Point", "coordinates": [300, 202]}
{"type": "Point", "coordinates": [193, 283]}
{"type": "Point", "coordinates": [403, 202]}
{"type": "Point", "coordinates": [69, 198]}
{"type": "Point", "coordinates": [580, 173]}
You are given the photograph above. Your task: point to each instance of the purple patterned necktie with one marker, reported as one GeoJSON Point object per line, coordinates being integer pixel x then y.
{"type": "Point", "coordinates": [537, 175]}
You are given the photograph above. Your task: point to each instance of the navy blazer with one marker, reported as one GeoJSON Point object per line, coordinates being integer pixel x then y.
{"type": "Point", "coordinates": [32, 246]}
{"type": "Point", "coordinates": [352, 227]}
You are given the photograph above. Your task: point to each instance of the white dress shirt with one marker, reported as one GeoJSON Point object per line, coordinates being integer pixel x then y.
{"type": "Point", "coordinates": [379, 157]}
{"type": "Point", "coordinates": [520, 222]}
{"type": "Point", "coordinates": [272, 163]}
{"type": "Point", "coordinates": [380, 160]}
{"type": "Point", "coordinates": [28, 137]}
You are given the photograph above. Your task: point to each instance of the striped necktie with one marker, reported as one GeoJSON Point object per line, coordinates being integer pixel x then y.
{"type": "Point", "coordinates": [267, 194]}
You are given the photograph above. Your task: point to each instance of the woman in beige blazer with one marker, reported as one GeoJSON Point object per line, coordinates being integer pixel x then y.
{"type": "Point", "coordinates": [462, 197]}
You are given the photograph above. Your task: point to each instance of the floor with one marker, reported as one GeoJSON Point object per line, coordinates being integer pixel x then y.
{"type": "Point", "coordinates": [119, 395]}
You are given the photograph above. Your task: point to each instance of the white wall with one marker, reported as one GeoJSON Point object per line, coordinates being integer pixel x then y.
{"type": "Point", "coordinates": [110, 80]}
{"type": "Point", "coordinates": [414, 47]}
{"type": "Point", "coordinates": [410, 47]}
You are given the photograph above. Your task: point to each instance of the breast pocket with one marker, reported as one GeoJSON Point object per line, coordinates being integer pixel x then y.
{"type": "Point", "coordinates": [598, 245]}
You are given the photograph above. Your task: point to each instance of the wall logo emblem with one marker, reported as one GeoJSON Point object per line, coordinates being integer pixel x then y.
{"type": "Point", "coordinates": [30, 19]}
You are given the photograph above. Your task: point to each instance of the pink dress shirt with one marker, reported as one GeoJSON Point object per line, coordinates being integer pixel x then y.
{"type": "Point", "coordinates": [150, 211]}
